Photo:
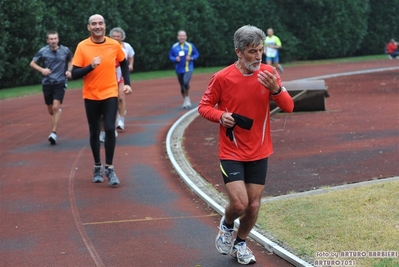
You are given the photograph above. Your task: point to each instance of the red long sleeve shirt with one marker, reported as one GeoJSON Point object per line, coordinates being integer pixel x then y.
{"type": "Point", "coordinates": [391, 47]}
{"type": "Point", "coordinates": [231, 91]}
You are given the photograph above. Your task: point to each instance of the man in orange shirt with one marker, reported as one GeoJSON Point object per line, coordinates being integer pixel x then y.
{"type": "Point", "coordinates": [94, 60]}
{"type": "Point", "coordinates": [238, 98]}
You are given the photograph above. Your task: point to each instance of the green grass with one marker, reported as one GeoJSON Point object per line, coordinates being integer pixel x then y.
{"type": "Point", "coordinates": [363, 218]}
{"type": "Point", "coordinates": [139, 76]}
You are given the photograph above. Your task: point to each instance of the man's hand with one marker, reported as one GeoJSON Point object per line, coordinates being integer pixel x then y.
{"type": "Point", "coordinates": [127, 89]}
{"type": "Point", "coordinates": [46, 72]}
{"type": "Point", "coordinates": [96, 61]}
{"type": "Point", "coordinates": [269, 80]}
{"type": "Point", "coordinates": [227, 120]}
{"type": "Point", "coordinates": [68, 74]}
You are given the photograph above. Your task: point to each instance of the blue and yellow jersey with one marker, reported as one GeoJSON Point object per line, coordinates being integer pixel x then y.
{"type": "Point", "coordinates": [183, 50]}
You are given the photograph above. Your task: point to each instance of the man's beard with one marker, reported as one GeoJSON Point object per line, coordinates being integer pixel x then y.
{"type": "Point", "coordinates": [251, 66]}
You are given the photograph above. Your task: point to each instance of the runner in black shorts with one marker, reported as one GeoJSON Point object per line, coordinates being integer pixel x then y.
{"type": "Point", "coordinates": [53, 92]}
{"type": "Point", "coordinates": [56, 61]}
{"type": "Point", "coordinates": [238, 99]}
{"type": "Point", "coordinates": [252, 172]}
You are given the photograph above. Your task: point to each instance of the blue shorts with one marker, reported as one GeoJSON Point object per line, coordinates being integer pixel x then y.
{"type": "Point", "coordinates": [273, 59]}
{"type": "Point", "coordinates": [251, 172]}
{"type": "Point", "coordinates": [184, 81]}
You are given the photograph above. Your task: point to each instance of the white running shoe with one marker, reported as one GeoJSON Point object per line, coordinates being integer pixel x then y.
{"type": "Point", "coordinates": [242, 253]}
{"type": "Point", "coordinates": [121, 123]}
{"type": "Point", "coordinates": [102, 136]}
{"type": "Point", "coordinates": [224, 239]}
{"type": "Point", "coordinates": [186, 103]}
{"type": "Point", "coordinates": [52, 138]}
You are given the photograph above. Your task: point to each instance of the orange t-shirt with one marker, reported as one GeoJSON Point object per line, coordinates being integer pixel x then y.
{"type": "Point", "coordinates": [100, 83]}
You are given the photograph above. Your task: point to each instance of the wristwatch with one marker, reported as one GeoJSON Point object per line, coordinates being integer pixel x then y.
{"type": "Point", "coordinates": [279, 91]}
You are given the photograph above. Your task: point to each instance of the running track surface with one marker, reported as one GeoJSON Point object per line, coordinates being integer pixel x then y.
{"type": "Point", "coordinates": [53, 215]}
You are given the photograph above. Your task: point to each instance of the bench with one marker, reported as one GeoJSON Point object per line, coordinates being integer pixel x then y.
{"type": "Point", "coordinates": [308, 95]}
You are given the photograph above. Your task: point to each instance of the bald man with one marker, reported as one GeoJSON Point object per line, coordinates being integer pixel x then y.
{"type": "Point", "coordinates": [95, 59]}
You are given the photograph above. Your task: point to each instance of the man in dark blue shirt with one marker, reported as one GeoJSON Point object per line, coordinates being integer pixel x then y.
{"type": "Point", "coordinates": [55, 66]}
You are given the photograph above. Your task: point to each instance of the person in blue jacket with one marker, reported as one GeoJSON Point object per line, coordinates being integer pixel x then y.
{"type": "Point", "coordinates": [183, 54]}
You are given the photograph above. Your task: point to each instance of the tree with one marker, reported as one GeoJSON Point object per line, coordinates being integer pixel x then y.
{"type": "Point", "coordinates": [325, 29]}
{"type": "Point", "coordinates": [20, 40]}
{"type": "Point", "coordinates": [308, 29]}
{"type": "Point", "coordinates": [382, 26]}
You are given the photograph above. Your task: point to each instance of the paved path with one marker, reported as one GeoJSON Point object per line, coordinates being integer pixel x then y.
{"type": "Point", "coordinates": [53, 215]}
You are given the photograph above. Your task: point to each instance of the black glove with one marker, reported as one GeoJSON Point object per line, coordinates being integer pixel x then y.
{"type": "Point", "coordinates": [229, 132]}
{"type": "Point", "coordinates": [242, 121]}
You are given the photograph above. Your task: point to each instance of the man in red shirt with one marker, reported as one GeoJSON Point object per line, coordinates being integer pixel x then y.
{"type": "Point", "coordinates": [392, 49]}
{"type": "Point", "coordinates": [238, 98]}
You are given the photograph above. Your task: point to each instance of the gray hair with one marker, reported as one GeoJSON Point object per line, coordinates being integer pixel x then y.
{"type": "Point", "coordinates": [247, 35]}
{"type": "Point", "coordinates": [120, 30]}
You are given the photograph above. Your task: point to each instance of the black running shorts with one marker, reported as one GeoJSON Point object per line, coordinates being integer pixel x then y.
{"type": "Point", "coordinates": [252, 172]}
{"type": "Point", "coordinates": [53, 92]}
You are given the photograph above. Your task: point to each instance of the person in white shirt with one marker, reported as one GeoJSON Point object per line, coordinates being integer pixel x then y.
{"type": "Point", "coordinates": [119, 35]}
{"type": "Point", "coordinates": [272, 45]}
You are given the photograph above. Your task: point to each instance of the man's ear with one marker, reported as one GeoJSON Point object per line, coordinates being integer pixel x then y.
{"type": "Point", "coordinates": [238, 53]}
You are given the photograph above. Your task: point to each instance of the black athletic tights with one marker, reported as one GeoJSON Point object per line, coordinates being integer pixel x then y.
{"type": "Point", "coordinates": [95, 110]}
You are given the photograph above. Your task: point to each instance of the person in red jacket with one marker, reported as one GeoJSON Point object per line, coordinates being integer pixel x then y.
{"type": "Point", "coordinates": [392, 49]}
{"type": "Point", "coordinates": [237, 98]}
